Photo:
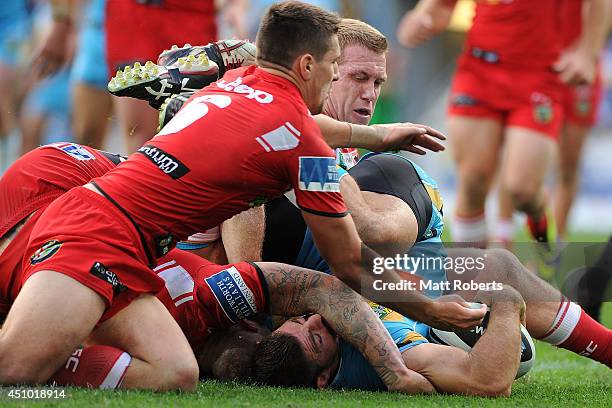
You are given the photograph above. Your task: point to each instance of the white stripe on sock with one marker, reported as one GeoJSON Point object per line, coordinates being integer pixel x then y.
{"type": "Point", "coordinates": [115, 375]}
{"type": "Point", "coordinates": [566, 324]}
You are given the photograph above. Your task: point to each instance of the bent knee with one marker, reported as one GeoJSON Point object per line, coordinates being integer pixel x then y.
{"type": "Point", "coordinates": [522, 194]}
{"type": "Point", "coordinates": [492, 390]}
{"type": "Point", "coordinates": [183, 377]}
{"type": "Point", "coordinates": [16, 372]}
{"type": "Point", "coordinates": [476, 182]}
{"type": "Point", "coordinates": [503, 258]}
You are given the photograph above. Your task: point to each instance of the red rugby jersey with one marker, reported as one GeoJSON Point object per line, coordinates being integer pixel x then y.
{"type": "Point", "coordinates": [571, 21]}
{"type": "Point", "coordinates": [202, 296]}
{"type": "Point", "coordinates": [43, 174]}
{"type": "Point", "coordinates": [517, 32]}
{"type": "Point", "coordinates": [235, 144]}
{"type": "Point", "coordinates": [31, 184]}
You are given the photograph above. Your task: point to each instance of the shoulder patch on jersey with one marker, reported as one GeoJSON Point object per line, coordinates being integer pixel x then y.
{"type": "Point", "coordinates": [74, 150]}
{"type": "Point", "coordinates": [318, 174]}
{"type": "Point", "coordinates": [232, 294]}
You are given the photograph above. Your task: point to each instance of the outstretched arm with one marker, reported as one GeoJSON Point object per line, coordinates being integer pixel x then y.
{"type": "Point", "coordinates": [354, 263]}
{"type": "Point", "coordinates": [295, 291]}
{"type": "Point", "coordinates": [427, 19]}
{"type": "Point", "coordinates": [379, 138]}
{"type": "Point", "coordinates": [453, 370]}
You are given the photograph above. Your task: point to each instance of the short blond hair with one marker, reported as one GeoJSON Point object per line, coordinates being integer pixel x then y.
{"type": "Point", "coordinates": [355, 32]}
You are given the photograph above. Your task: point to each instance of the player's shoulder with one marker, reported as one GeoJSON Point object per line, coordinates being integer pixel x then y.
{"type": "Point", "coordinates": [267, 89]}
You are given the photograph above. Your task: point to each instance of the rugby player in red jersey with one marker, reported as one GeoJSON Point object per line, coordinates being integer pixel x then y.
{"type": "Point", "coordinates": [505, 92]}
{"type": "Point", "coordinates": [29, 186]}
{"type": "Point", "coordinates": [583, 32]}
{"type": "Point", "coordinates": [200, 296]}
{"type": "Point", "coordinates": [96, 243]}
{"type": "Point", "coordinates": [513, 48]}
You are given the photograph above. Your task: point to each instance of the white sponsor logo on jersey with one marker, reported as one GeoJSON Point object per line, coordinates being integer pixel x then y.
{"type": "Point", "coordinates": [75, 151]}
{"type": "Point", "coordinates": [232, 294]}
{"type": "Point", "coordinates": [238, 87]}
{"type": "Point", "coordinates": [318, 174]}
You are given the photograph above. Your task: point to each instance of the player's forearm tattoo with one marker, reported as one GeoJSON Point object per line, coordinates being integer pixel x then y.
{"type": "Point", "coordinates": [295, 291]}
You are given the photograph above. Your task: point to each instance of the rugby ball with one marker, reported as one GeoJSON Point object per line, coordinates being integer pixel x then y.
{"type": "Point", "coordinates": [466, 339]}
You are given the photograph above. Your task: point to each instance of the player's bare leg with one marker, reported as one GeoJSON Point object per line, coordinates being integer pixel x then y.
{"type": "Point", "coordinates": [476, 144]}
{"type": "Point", "coordinates": [528, 156]}
{"type": "Point", "coordinates": [161, 356]}
{"type": "Point", "coordinates": [570, 149]}
{"type": "Point", "coordinates": [7, 110]}
{"type": "Point", "coordinates": [138, 119]}
{"type": "Point", "coordinates": [50, 317]}
{"type": "Point", "coordinates": [91, 112]}
{"type": "Point", "coordinates": [504, 230]}
{"type": "Point", "coordinates": [502, 266]}
{"type": "Point", "coordinates": [31, 126]}
{"type": "Point", "coordinates": [550, 316]}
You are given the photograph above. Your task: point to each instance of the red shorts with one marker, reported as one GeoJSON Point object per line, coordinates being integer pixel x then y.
{"type": "Point", "coordinates": [84, 236]}
{"type": "Point", "coordinates": [528, 99]}
{"type": "Point", "coordinates": [581, 103]}
{"type": "Point", "coordinates": [11, 277]}
{"type": "Point", "coordinates": [140, 32]}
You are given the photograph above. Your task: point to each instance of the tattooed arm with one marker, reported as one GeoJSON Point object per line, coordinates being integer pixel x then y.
{"type": "Point", "coordinates": [295, 291]}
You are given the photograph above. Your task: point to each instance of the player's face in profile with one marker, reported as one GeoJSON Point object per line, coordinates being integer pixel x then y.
{"type": "Point", "coordinates": [353, 97]}
{"type": "Point", "coordinates": [315, 337]}
{"type": "Point", "coordinates": [325, 71]}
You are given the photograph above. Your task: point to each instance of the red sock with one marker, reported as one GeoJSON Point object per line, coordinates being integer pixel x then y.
{"type": "Point", "coordinates": [590, 339]}
{"type": "Point", "coordinates": [538, 227]}
{"type": "Point", "coordinates": [94, 367]}
{"type": "Point", "coordinates": [576, 331]}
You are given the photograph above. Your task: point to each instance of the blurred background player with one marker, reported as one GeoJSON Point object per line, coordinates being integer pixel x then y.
{"type": "Point", "coordinates": [91, 105]}
{"type": "Point", "coordinates": [14, 29]}
{"type": "Point", "coordinates": [583, 40]}
{"type": "Point", "coordinates": [46, 111]}
{"type": "Point", "coordinates": [582, 30]}
{"type": "Point", "coordinates": [137, 31]}
{"type": "Point", "coordinates": [504, 93]}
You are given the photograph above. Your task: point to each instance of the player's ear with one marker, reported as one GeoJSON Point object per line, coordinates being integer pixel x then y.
{"type": "Point", "coordinates": [305, 66]}
{"type": "Point", "coordinates": [324, 378]}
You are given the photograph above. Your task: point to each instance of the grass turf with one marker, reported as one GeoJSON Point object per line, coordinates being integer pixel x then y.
{"type": "Point", "coordinates": [558, 379]}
